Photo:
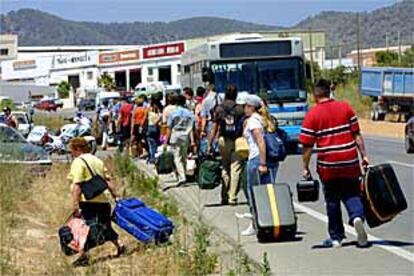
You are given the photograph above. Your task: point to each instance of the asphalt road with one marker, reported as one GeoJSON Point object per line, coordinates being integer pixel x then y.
{"type": "Point", "coordinates": [392, 252]}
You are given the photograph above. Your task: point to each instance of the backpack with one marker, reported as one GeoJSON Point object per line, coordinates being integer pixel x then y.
{"type": "Point", "coordinates": [229, 125]}
{"type": "Point", "coordinates": [164, 164]}
{"type": "Point", "coordinates": [209, 174]}
{"type": "Point", "coordinates": [181, 130]}
{"type": "Point", "coordinates": [275, 148]}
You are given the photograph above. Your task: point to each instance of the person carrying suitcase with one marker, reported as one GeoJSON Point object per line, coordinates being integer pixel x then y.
{"type": "Point", "coordinates": [95, 211]}
{"type": "Point", "coordinates": [259, 169]}
{"type": "Point", "coordinates": [333, 127]}
{"type": "Point", "coordinates": [227, 125]}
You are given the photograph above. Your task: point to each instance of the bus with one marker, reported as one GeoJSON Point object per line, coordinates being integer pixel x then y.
{"type": "Point", "coordinates": [274, 69]}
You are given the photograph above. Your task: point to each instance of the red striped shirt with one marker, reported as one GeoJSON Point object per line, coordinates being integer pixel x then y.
{"type": "Point", "coordinates": [331, 125]}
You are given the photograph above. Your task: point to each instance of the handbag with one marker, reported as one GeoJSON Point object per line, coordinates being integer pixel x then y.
{"type": "Point", "coordinates": [241, 147]}
{"type": "Point", "coordinates": [94, 186]}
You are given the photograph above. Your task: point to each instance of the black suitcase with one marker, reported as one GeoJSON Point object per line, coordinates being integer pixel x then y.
{"type": "Point", "coordinates": [308, 190]}
{"type": "Point", "coordinates": [382, 195]}
{"type": "Point", "coordinates": [274, 214]}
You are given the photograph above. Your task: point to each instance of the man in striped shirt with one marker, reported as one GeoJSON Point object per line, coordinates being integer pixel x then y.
{"type": "Point", "coordinates": [333, 127]}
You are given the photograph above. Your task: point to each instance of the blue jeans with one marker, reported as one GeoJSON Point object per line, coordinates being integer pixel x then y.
{"type": "Point", "coordinates": [253, 177]}
{"type": "Point", "coordinates": [347, 191]}
{"type": "Point", "coordinates": [153, 134]}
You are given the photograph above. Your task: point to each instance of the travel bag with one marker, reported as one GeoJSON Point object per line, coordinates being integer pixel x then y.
{"type": "Point", "coordinates": [273, 212]}
{"type": "Point", "coordinates": [145, 224]}
{"type": "Point", "coordinates": [209, 173]}
{"type": "Point", "coordinates": [164, 163]}
{"type": "Point", "coordinates": [307, 190]}
{"type": "Point", "coordinates": [382, 195]}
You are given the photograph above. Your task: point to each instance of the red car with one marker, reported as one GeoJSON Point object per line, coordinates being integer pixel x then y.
{"type": "Point", "coordinates": [47, 105]}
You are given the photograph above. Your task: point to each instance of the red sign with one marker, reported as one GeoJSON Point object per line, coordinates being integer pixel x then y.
{"type": "Point", "coordinates": [119, 56]}
{"type": "Point", "coordinates": [165, 50]}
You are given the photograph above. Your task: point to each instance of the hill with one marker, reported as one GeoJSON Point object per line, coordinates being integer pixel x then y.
{"type": "Point", "coordinates": [341, 26]}
{"type": "Point", "coordinates": [35, 27]}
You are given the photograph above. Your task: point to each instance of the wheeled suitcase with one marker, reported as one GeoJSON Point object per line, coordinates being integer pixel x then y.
{"type": "Point", "coordinates": [209, 173]}
{"type": "Point", "coordinates": [382, 195]}
{"type": "Point", "coordinates": [145, 224]}
{"type": "Point", "coordinates": [274, 214]}
{"type": "Point", "coordinates": [307, 190]}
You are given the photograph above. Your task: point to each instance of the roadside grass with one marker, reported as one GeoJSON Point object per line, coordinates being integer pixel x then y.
{"type": "Point", "coordinates": [52, 121]}
{"type": "Point", "coordinates": [34, 207]}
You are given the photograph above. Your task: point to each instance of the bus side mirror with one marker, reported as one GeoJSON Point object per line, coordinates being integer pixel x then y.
{"type": "Point", "coordinates": [207, 75]}
{"type": "Point", "coordinates": [308, 71]}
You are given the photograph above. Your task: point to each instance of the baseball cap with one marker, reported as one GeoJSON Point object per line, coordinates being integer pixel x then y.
{"type": "Point", "coordinates": [253, 100]}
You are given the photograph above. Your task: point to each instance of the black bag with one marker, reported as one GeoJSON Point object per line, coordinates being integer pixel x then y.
{"type": "Point", "coordinates": [382, 195]}
{"type": "Point", "coordinates": [274, 214]}
{"type": "Point", "coordinates": [209, 174]}
{"type": "Point", "coordinates": [164, 164]}
{"type": "Point", "coordinates": [65, 237]}
{"type": "Point", "coordinates": [308, 190]}
{"type": "Point", "coordinates": [94, 186]}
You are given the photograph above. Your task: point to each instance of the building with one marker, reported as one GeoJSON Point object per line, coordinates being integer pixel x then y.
{"type": "Point", "coordinates": [367, 56]}
{"type": "Point", "coordinates": [129, 65]}
{"type": "Point", "coordinates": [8, 47]}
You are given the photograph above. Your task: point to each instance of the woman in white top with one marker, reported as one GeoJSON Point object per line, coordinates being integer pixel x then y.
{"type": "Point", "coordinates": [259, 170]}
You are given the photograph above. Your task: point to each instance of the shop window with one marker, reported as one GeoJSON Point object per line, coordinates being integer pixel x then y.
{"type": "Point", "coordinates": [89, 75]}
{"type": "Point", "coordinates": [150, 71]}
{"type": "Point", "coordinates": [4, 52]}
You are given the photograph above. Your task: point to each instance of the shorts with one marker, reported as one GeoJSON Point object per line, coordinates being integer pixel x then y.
{"type": "Point", "coordinates": [125, 133]}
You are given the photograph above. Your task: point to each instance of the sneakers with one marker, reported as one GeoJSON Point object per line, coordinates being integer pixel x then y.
{"type": "Point", "coordinates": [330, 243]}
{"type": "Point", "coordinates": [362, 237]}
{"type": "Point", "coordinates": [249, 231]}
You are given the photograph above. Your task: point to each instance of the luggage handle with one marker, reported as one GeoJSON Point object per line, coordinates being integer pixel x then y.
{"type": "Point", "coordinates": [272, 179]}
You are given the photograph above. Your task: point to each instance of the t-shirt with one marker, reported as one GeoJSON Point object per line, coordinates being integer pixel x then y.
{"type": "Point", "coordinates": [166, 112]}
{"type": "Point", "coordinates": [253, 122]}
{"type": "Point", "coordinates": [209, 103]}
{"type": "Point", "coordinates": [153, 118]}
{"type": "Point", "coordinates": [331, 125]}
{"type": "Point", "coordinates": [79, 173]}
{"type": "Point", "coordinates": [139, 115]}
{"type": "Point", "coordinates": [125, 112]}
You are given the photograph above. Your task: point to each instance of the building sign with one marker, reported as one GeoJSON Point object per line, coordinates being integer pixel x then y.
{"type": "Point", "coordinates": [75, 60]}
{"type": "Point", "coordinates": [119, 56]}
{"type": "Point", "coordinates": [24, 64]}
{"type": "Point", "coordinates": [163, 50]}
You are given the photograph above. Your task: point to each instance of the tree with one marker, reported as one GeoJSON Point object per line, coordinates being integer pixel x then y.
{"type": "Point", "coordinates": [63, 89]}
{"type": "Point", "coordinates": [107, 82]}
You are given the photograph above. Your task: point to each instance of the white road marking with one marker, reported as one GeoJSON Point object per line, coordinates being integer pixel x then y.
{"type": "Point", "coordinates": [401, 164]}
{"type": "Point", "coordinates": [350, 230]}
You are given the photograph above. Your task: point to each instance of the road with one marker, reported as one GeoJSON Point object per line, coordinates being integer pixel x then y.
{"type": "Point", "coordinates": [392, 252]}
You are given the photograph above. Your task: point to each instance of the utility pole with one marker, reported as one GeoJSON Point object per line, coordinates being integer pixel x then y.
{"type": "Point", "coordinates": [311, 55]}
{"type": "Point", "coordinates": [399, 48]}
{"type": "Point", "coordinates": [358, 43]}
{"type": "Point", "coordinates": [386, 40]}
{"type": "Point", "coordinates": [340, 54]}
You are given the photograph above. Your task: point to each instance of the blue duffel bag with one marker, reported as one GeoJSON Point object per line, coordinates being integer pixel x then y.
{"type": "Point", "coordinates": [145, 224]}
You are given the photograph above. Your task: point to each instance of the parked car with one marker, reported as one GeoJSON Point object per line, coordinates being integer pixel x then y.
{"type": "Point", "coordinates": [86, 104]}
{"type": "Point", "coordinates": [47, 105]}
{"type": "Point", "coordinates": [409, 136]}
{"type": "Point", "coordinates": [15, 149]}
{"type": "Point", "coordinates": [25, 124]}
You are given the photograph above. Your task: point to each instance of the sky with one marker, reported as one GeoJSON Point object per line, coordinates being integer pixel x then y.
{"type": "Point", "coordinates": [276, 12]}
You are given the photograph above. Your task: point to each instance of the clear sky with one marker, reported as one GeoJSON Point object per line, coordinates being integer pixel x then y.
{"type": "Point", "coordinates": [274, 12]}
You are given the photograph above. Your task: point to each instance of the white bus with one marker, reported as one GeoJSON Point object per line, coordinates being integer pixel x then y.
{"type": "Point", "coordinates": [274, 69]}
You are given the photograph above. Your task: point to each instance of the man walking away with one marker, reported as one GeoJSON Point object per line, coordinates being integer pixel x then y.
{"type": "Point", "coordinates": [124, 123]}
{"type": "Point", "coordinates": [333, 126]}
{"type": "Point", "coordinates": [210, 102]}
{"type": "Point", "coordinates": [105, 121]}
{"type": "Point", "coordinates": [227, 123]}
{"type": "Point", "coordinates": [179, 133]}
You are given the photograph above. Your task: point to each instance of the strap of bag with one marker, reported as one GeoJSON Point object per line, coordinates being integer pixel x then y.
{"type": "Point", "coordinates": [87, 165]}
{"type": "Point", "coordinates": [272, 179]}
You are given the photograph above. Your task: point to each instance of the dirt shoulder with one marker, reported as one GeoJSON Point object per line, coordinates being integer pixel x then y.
{"type": "Point", "coordinates": [385, 129]}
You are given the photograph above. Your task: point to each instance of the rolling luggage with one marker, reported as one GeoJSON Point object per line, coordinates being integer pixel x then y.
{"type": "Point", "coordinates": [308, 190]}
{"type": "Point", "coordinates": [209, 174]}
{"type": "Point", "coordinates": [145, 224]}
{"type": "Point", "coordinates": [274, 214]}
{"type": "Point", "coordinates": [382, 195]}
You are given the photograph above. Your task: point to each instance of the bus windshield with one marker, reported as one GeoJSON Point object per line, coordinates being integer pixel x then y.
{"type": "Point", "coordinates": [276, 80]}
